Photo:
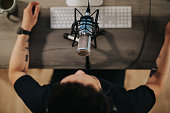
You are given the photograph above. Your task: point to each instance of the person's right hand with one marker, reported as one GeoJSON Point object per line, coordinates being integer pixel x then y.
{"type": "Point", "coordinates": [30, 19]}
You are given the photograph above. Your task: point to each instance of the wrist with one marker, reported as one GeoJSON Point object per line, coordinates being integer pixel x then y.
{"type": "Point", "coordinates": [20, 30]}
{"type": "Point", "coordinates": [28, 28]}
{"type": "Point", "coordinates": [23, 37]}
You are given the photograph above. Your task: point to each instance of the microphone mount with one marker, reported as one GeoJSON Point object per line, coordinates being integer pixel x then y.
{"type": "Point", "coordinates": [87, 25]}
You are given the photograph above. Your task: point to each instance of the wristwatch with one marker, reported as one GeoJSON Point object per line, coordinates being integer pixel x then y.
{"type": "Point", "coordinates": [22, 31]}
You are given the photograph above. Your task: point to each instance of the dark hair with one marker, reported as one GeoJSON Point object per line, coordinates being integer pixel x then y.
{"type": "Point", "coordinates": [77, 98]}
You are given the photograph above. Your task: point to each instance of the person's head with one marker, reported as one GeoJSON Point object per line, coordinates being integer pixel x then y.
{"type": "Point", "coordinates": [79, 93]}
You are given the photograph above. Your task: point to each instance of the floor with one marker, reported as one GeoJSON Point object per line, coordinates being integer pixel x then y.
{"type": "Point", "coordinates": [11, 103]}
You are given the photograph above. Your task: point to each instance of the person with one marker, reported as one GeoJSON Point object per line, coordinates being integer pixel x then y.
{"type": "Point", "coordinates": [79, 92]}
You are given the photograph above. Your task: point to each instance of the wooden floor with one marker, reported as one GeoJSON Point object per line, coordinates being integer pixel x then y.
{"type": "Point", "coordinates": [11, 103]}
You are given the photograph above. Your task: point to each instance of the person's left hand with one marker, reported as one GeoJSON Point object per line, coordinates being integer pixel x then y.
{"type": "Point", "coordinates": [166, 45]}
{"type": "Point", "coordinates": [167, 35]}
{"type": "Point", "coordinates": [30, 18]}
{"type": "Point", "coordinates": [167, 29]}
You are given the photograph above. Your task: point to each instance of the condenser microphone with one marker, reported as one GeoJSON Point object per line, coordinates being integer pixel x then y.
{"type": "Point", "coordinates": [84, 45]}
{"type": "Point", "coordinates": [85, 33]}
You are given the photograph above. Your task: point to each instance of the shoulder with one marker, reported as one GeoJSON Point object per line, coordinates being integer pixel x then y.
{"type": "Point", "coordinates": [27, 82]}
{"type": "Point", "coordinates": [141, 99]}
{"type": "Point", "coordinates": [142, 90]}
{"type": "Point", "coordinates": [25, 79]}
{"type": "Point", "coordinates": [34, 95]}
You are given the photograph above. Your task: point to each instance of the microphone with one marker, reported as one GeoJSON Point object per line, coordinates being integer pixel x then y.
{"type": "Point", "coordinates": [85, 33]}
{"type": "Point", "coordinates": [84, 45]}
{"type": "Point", "coordinates": [84, 30]}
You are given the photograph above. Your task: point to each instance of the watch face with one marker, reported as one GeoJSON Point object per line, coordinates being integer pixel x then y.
{"type": "Point", "coordinates": [22, 31]}
{"type": "Point", "coordinates": [19, 31]}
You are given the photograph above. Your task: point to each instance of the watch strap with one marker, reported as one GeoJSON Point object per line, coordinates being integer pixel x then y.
{"type": "Point", "coordinates": [22, 31]}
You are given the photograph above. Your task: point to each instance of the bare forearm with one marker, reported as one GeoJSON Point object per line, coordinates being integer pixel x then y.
{"type": "Point", "coordinates": [163, 68]}
{"type": "Point", "coordinates": [19, 61]}
{"type": "Point", "coordinates": [163, 60]}
{"type": "Point", "coordinates": [159, 79]}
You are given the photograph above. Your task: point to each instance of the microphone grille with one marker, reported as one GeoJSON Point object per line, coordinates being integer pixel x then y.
{"type": "Point", "coordinates": [84, 45]}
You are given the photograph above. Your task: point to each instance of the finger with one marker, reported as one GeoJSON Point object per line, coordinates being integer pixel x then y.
{"type": "Point", "coordinates": [37, 10]}
{"type": "Point", "coordinates": [29, 7]}
{"type": "Point", "coordinates": [36, 3]}
{"type": "Point", "coordinates": [30, 4]}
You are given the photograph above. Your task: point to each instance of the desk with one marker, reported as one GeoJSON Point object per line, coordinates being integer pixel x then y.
{"type": "Point", "coordinates": [116, 50]}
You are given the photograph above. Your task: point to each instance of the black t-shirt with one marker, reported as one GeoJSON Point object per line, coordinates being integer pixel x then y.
{"type": "Point", "coordinates": [139, 100]}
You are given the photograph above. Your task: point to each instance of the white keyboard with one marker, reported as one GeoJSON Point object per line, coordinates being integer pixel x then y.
{"type": "Point", "coordinates": [109, 16]}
